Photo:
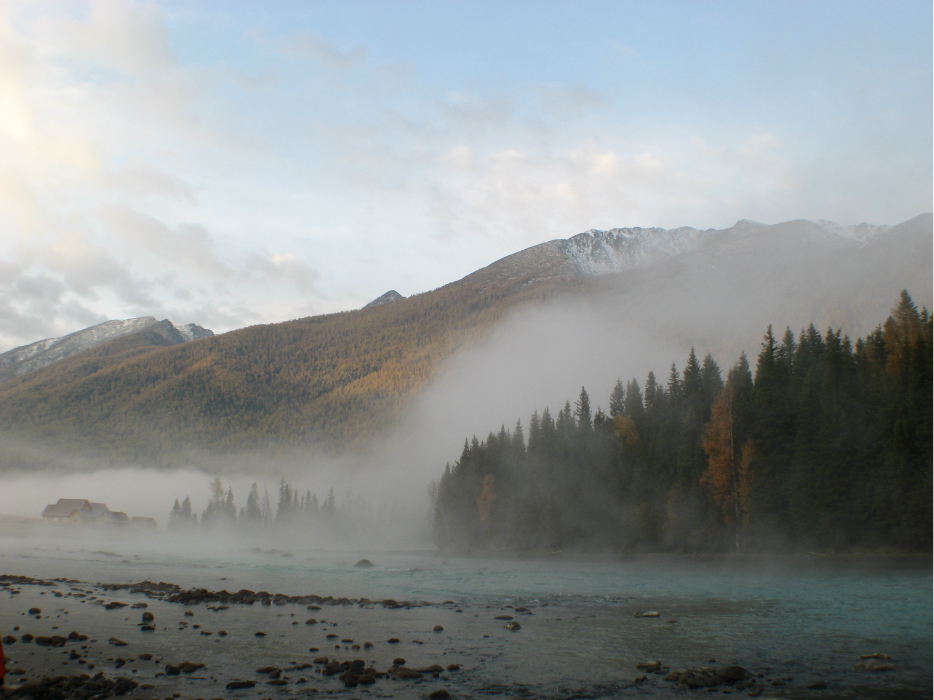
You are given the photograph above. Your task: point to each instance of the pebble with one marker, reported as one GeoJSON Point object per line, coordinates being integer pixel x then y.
{"type": "Point", "coordinates": [874, 664]}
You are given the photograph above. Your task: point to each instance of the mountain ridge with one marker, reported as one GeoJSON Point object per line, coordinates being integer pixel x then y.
{"type": "Point", "coordinates": [339, 380]}
{"type": "Point", "coordinates": [597, 251]}
{"type": "Point", "coordinates": [27, 358]}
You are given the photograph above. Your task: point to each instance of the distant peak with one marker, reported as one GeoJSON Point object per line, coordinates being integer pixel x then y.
{"type": "Point", "coordinates": [387, 298]}
{"type": "Point", "coordinates": [748, 224]}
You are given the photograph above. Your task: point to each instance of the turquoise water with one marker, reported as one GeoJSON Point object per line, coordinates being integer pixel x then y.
{"type": "Point", "coordinates": [803, 619]}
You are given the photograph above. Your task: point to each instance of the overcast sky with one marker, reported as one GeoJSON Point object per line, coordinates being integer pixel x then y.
{"type": "Point", "coordinates": [234, 163]}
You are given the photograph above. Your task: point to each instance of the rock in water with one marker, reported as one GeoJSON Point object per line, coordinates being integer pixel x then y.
{"type": "Point", "coordinates": [733, 674]}
{"type": "Point", "coordinates": [364, 564]}
{"type": "Point", "coordinates": [874, 666]}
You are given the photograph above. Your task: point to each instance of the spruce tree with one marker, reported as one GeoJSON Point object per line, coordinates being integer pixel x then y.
{"type": "Point", "coordinates": [617, 399]}
{"type": "Point", "coordinates": [582, 412]}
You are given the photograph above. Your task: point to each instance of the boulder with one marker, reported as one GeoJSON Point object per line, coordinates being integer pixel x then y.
{"type": "Point", "coordinates": [240, 685]}
{"type": "Point", "coordinates": [874, 665]}
{"type": "Point", "coordinates": [434, 668]}
{"type": "Point", "coordinates": [733, 674]}
{"type": "Point", "coordinates": [404, 673]}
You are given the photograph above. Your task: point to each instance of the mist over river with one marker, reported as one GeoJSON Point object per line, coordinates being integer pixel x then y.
{"type": "Point", "coordinates": [791, 622]}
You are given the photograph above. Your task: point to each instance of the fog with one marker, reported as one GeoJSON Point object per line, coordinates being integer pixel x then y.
{"type": "Point", "coordinates": [719, 299]}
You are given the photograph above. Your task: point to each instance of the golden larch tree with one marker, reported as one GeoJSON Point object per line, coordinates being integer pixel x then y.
{"type": "Point", "coordinates": [727, 477]}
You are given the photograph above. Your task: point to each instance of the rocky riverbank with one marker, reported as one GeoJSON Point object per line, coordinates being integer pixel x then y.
{"type": "Point", "coordinates": [71, 640]}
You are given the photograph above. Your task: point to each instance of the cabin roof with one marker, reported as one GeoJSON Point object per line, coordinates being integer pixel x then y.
{"type": "Point", "coordinates": [67, 506]}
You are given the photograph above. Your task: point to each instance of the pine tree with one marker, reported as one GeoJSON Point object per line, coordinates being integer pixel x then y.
{"type": "Point", "coordinates": [518, 438]}
{"type": "Point", "coordinates": [252, 513]}
{"type": "Point", "coordinates": [175, 516]}
{"type": "Point", "coordinates": [534, 433]}
{"type": "Point", "coordinates": [711, 383]}
{"type": "Point", "coordinates": [652, 397]}
{"type": "Point", "coordinates": [674, 385]}
{"type": "Point", "coordinates": [284, 508]}
{"type": "Point", "coordinates": [691, 384]}
{"type": "Point", "coordinates": [329, 507]}
{"type": "Point", "coordinates": [582, 412]}
{"type": "Point", "coordinates": [617, 400]}
{"type": "Point", "coordinates": [633, 407]}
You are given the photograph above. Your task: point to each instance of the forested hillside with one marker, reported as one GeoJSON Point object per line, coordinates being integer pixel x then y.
{"type": "Point", "coordinates": [333, 380]}
{"type": "Point", "coordinates": [266, 395]}
{"type": "Point", "coordinates": [824, 444]}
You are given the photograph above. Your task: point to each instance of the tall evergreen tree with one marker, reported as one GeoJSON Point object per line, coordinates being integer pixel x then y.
{"type": "Point", "coordinates": [617, 400]}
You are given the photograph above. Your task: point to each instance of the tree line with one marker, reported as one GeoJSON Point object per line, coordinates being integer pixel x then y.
{"type": "Point", "coordinates": [292, 509]}
{"type": "Point", "coordinates": [825, 445]}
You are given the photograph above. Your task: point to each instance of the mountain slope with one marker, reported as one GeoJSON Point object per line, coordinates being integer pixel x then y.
{"type": "Point", "coordinates": [333, 380]}
{"type": "Point", "coordinates": [337, 381]}
{"type": "Point", "coordinates": [27, 358]}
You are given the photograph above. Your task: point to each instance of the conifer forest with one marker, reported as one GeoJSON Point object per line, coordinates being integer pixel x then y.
{"type": "Point", "coordinates": [817, 444]}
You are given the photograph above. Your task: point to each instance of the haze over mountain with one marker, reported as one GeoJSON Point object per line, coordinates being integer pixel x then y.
{"type": "Point", "coordinates": [523, 332]}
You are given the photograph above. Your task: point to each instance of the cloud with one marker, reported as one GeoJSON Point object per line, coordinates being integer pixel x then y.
{"type": "Point", "coordinates": [130, 38]}
{"type": "Point", "coordinates": [41, 288]}
{"type": "Point", "coordinates": [563, 102]}
{"type": "Point", "coordinates": [306, 45]}
{"type": "Point", "coordinates": [284, 267]}
{"type": "Point", "coordinates": [189, 245]}
{"type": "Point", "coordinates": [87, 268]}
{"type": "Point", "coordinates": [142, 181]}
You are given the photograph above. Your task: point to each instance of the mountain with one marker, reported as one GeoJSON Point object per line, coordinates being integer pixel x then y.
{"type": "Point", "coordinates": [551, 316]}
{"type": "Point", "coordinates": [596, 252]}
{"type": "Point", "coordinates": [387, 298]}
{"type": "Point", "coordinates": [42, 353]}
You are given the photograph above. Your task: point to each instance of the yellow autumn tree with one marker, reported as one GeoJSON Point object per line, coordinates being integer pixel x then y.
{"type": "Point", "coordinates": [486, 500]}
{"type": "Point", "coordinates": [728, 474]}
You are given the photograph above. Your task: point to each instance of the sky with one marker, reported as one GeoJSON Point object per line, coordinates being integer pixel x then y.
{"type": "Point", "coordinates": [236, 163]}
